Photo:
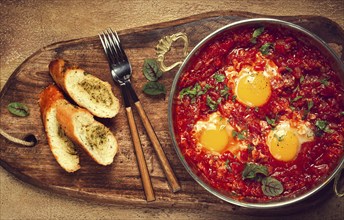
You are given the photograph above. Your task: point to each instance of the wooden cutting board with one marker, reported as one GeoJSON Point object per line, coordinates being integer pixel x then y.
{"type": "Point", "coordinates": [120, 182]}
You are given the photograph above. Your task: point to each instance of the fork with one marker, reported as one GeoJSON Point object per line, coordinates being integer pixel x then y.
{"type": "Point", "coordinates": [121, 71]}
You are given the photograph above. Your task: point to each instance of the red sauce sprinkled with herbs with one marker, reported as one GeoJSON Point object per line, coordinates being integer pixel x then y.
{"type": "Point", "coordinates": [308, 90]}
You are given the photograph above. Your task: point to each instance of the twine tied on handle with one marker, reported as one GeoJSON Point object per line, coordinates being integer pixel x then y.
{"type": "Point", "coordinates": [29, 140]}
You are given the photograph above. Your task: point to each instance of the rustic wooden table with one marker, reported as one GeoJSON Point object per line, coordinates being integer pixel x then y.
{"type": "Point", "coordinates": [27, 26]}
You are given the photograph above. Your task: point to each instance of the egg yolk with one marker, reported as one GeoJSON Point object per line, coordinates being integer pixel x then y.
{"type": "Point", "coordinates": [284, 145]}
{"type": "Point", "coordinates": [215, 139]}
{"type": "Point", "coordinates": [253, 89]}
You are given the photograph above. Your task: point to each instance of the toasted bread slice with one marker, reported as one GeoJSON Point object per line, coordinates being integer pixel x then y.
{"type": "Point", "coordinates": [61, 146]}
{"type": "Point", "coordinates": [80, 126]}
{"type": "Point", "coordinates": [85, 89]}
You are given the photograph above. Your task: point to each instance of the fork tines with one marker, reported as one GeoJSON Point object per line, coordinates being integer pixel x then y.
{"type": "Point", "coordinates": [112, 46]}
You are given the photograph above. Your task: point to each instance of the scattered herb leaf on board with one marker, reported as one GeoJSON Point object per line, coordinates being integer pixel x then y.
{"type": "Point", "coordinates": [151, 70]}
{"type": "Point", "coordinates": [154, 88]}
{"type": "Point", "coordinates": [18, 109]}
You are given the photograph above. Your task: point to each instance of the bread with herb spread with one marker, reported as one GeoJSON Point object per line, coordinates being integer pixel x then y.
{"type": "Point", "coordinates": [85, 89]}
{"type": "Point", "coordinates": [80, 126]}
{"type": "Point", "coordinates": [61, 146]}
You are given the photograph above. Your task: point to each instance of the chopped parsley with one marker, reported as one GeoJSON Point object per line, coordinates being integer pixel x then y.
{"type": "Point", "coordinates": [256, 33]}
{"type": "Point", "coordinates": [302, 78]}
{"type": "Point", "coordinates": [324, 81]}
{"type": "Point", "coordinates": [224, 92]}
{"type": "Point", "coordinates": [270, 121]}
{"type": "Point", "coordinates": [266, 48]}
{"type": "Point", "coordinates": [288, 69]}
{"type": "Point", "coordinates": [322, 125]}
{"type": "Point", "coordinates": [219, 77]}
{"type": "Point", "coordinates": [227, 165]}
{"type": "Point", "coordinates": [194, 91]}
{"type": "Point", "coordinates": [239, 135]}
{"type": "Point", "coordinates": [310, 105]}
{"type": "Point", "coordinates": [211, 103]}
{"type": "Point", "coordinates": [296, 98]}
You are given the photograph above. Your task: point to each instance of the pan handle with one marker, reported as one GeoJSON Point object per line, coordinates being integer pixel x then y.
{"type": "Point", "coordinates": [164, 46]}
{"type": "Point", "coordinates": [336, 183]}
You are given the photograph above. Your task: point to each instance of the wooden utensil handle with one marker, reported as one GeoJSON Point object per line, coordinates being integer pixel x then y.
{"type": "Point", "coordinates": [146, 181]}
{"type": "Point", "coordinates": [171, 177]}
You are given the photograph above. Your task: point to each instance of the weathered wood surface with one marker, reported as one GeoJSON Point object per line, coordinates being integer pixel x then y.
{"type": "Point", "coordinates": [120, 182]}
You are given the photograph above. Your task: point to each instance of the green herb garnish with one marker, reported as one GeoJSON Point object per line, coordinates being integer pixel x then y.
{"type": "Point", "coordinates": [227, 165]}
{"type": "Point", "coordinates": [18, 109]}
{"type": "Point", "coordinates": [234, 98]}
{"type": "Point", "coordinates": [310, 105]}
{"type": "Point", "coordinates": [211, 103]}
{"type": "Point", "coordinates": [154, 88]}
{"type": "Point", "coordinates": [219, 77]}
{"type": "Point", "coordinates": [240, 135]}
{"type": "Point", "coordinates": [324, 81]}
{"type": "Point", "coordinates": [252, 170]}
{"type": "Point", "coordinates": [250, 148]}
{"type": "Point", "coordinates": [270, 121]}
{"type": "Point", "coordinates": [266, 48]}
{"type": "Point", "coordinates": [271, 186]}
{"type": "Point", "coordinates": [257, 172]}
{"type": "Point", "coordinates": [302, 78]}
{"type": "Point", "coordinates": [288, 69]}
{"type": "Point", "coordinates": [256, 33]}
{"type": "Point", "coordinates": [323, 126]}
{"type": "Point", "coordinates": [296, 98]}
{"type": "Point", "coordinates": [151, 70]}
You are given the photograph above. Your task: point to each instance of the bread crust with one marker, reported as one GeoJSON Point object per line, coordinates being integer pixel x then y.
{"type": "Point", "coordinates": [71, 119]}
{"type": "Point", "coordinates": [49, 98]}
{"type": "Point", "coordinates": [62, 73]}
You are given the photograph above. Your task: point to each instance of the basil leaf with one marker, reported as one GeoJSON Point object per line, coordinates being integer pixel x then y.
{"type": "Point", "coordinates": [211, 103]}
{"type": "Point", "coordinates": [265, 48]}
{"type": "Point", "coordinates": [151, 70]}
{"type": "Point", "coordinates": [18, 109]}
{"type": "Point", "coordinates": [256, 33]}
{"type": "Point", "coordinates": [251, 170]}
{"type": "Point", "coordinates": [219, 77]}
{"type": "Point", "coordinates": [154, 88]}
{"type": "Point", "coordinates": [271, 186]}
{"type": "Point", "coordinates": [234, 98]}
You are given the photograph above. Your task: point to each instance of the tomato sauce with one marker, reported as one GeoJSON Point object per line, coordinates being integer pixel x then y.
{"type": "Point", "coordinates": [309, 89]}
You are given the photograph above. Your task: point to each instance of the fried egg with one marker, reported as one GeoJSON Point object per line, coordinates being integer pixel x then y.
{"type": "Point", "coordinates": [215, 134]}
{"type": "Point", "coordinates": [253, 87]}
{"type": "Point", "coordinates": [285, 140]}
